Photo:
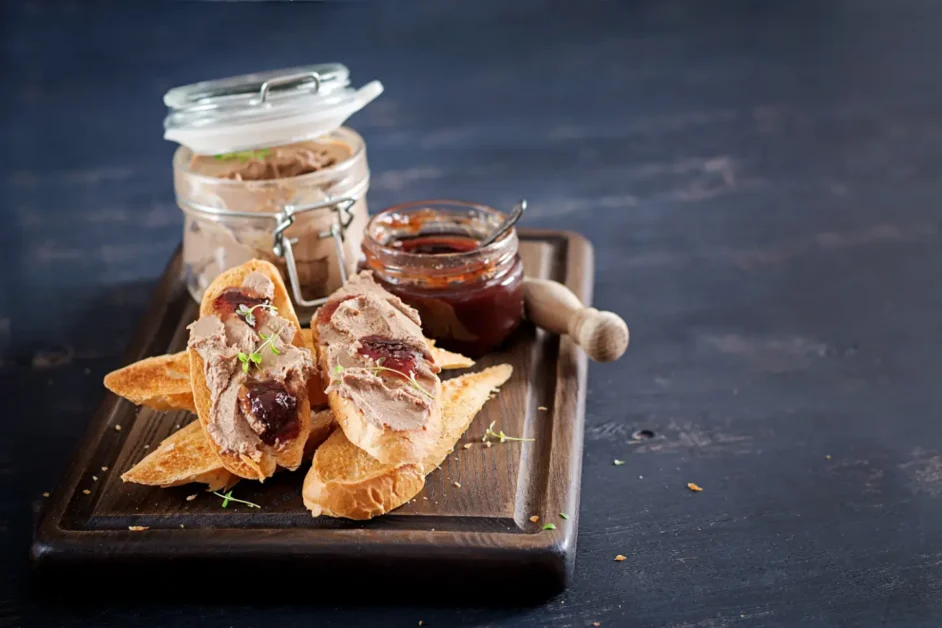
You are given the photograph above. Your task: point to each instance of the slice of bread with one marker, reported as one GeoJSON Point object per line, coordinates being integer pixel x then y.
{"type": "Point", "coordinates": [183, 457]}
{"type": "Point", "coordinates": [163, 382]}
{"type": "Point", "coordinates": [384, 413]}
{"type": "Point", "coordinates": [344, 481]}
{"type": "Point", "coordinates": [291, 454]}
{"type": "Point", "coordinates": [191, 457]}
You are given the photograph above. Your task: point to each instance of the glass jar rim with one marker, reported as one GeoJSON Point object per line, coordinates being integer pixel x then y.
{"type": "Point", "coordinates": [433, 204]}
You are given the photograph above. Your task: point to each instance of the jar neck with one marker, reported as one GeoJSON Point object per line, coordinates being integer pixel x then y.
{"type": "Point", "coordinates": [475, 267]}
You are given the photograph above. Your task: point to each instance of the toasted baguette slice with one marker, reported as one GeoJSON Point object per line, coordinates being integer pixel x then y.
{"type": "Point", "coordinates": [446, 359]}
{"type": "Point", "coordinates": [289, 456]}
{"type": "Point", "coordinates": [384, 425]}
{"type": "Point", "coordinates": [183, 457]}
{"type": "Point", "coordinates": [344, 481]}
{"type": "Point", "coordinates": [192, 458]}
{"type": "Point", "coordinates": [163, 382]}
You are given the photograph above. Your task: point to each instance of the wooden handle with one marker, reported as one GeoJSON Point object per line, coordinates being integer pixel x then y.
{"type": "Point", "coordinates": [553, 306]}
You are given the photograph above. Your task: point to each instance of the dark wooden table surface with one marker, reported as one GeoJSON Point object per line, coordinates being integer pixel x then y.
{"type": "Point", "coordinates": [762, 185]}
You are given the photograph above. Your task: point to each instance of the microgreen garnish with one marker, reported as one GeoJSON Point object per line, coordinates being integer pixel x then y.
{"type": "Point", "coordinates": [243, 155]}
{"type": "Point", "coordinates": [618, 462]}
{"type": "Point", "coordinates": [549, 526]}
{"type": "Point", "coordinates": [379, 367]}
{"type": "Point", "coordinates": [490, 433]}
{"type": "Point", "coordinates": [246, 312]}
{"type": "Point", "coordinates": [564, 515]}
{"type": "Point", "coordinates": [229, 498]}
{"type": "Point", "coordinates": [248, 359]}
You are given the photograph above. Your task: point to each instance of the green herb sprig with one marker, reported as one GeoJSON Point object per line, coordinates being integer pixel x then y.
{"type": "Point", "coordinates": [248, 359]}
{"type": "Point", "coordinates": [379, 367]}
{"type": "Point", "coordinates": [490, 433]}
{"type": "Point", "coordinates": [243, 155]}
{"type": "Point", "coordinates": [549, 526]}
{"type": "Point", "coordinates": [229, 498]}
{"type": "Point", "coordinates": [247, 312]}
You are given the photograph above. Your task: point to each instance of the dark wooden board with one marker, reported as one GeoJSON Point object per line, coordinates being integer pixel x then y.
{"type": "Point", "coordinates": [481, 530]}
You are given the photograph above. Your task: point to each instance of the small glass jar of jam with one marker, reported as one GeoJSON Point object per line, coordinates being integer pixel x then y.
{"type": "Point", "coordinates": [470, 298]}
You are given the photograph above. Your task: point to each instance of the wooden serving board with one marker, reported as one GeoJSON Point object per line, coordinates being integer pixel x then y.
{"type": "Point", "coordinates": [473, 537]}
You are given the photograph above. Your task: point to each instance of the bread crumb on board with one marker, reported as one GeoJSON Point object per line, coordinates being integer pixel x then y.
{"type": "Point", "coordinates": [104, 468]}
{"type": "Point", "coordinates": [619, 557]}
{"type": "Point", "coordinates": [117, 428]}
{"type": "Point", "coordinates": [457, 484]}
{"type": "Point", "coordinates": [138, 528]}
{"type": "Point", "coordinates": [45, 494]}
{"type": "Point", "coordinates": [694, 487]}
{"type": "Point", "coordinates": [535, 518]}
{"type": "Point", "coordinates": [86, 491]}
{"type": "Point", "coordinates": [191, 497]}
{"type": "Point", "coordinates": [542, 408]}
{"type": "Point", "coordinates": [468, 445]}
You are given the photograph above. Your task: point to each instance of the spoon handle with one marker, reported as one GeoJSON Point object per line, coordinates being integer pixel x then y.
{"type": "Point", "coordinates": [505, 226]}
{"type": "Point", "coordinates": [553, 306]}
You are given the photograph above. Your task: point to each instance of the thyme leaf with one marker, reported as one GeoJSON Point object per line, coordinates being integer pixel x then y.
{"type": "Point", "coordinates": [247, 312]}
{"type": "Point", "coordinates": [500, 436]}
{"type": "Point", "coordinates": [379, 367]}
{"type": "Point", "coordinates": [226, 498]}
{"type": "Point", "coordinates": [255, 357]}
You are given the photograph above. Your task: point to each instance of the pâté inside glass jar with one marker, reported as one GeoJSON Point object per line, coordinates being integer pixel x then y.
{"type": "Point", "coordinates": [266, 170]}
{"type": "Point", "coordinates": [428, 253]}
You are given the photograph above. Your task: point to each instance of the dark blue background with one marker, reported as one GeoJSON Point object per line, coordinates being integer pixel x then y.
{"type": "Point", "coordinates": [762, 185]}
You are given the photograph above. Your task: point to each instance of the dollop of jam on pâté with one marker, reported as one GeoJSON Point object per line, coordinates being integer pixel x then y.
{"type": "Point", "coordinates": [231, 299]}
{"type": "Point", "coordinates": [391, 354]}
{"type": "Point", "coordinates": [270, 409]}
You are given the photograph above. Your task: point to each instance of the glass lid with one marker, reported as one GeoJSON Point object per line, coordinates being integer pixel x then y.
{"type": "Point", "coordinates": [263, 109]}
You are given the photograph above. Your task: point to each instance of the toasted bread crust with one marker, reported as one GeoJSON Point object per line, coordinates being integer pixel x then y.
{"type": "Point", "coordinates": [183, 457]}
{"type": "Point", "coordinates": [344, 481]}
{"type": "Point", "coordinates": [192, 459]}
{"type": "Point", "coordinates": [288, 456]}
{"type": "Point", "coordinates": [161, 383]}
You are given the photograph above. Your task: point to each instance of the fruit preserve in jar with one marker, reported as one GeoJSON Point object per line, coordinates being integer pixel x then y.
{"type": "Point", "coordinates": [470, 298]}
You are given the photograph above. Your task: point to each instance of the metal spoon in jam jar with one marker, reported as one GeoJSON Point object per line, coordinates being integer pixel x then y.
{"type": "Point", "coordinates": [506, 225]}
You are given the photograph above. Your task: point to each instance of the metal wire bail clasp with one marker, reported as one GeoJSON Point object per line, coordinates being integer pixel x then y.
{"type": "Point", "coordinates": [289, 79]}
{"type": "Point", "coordinates": [283, 246]}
